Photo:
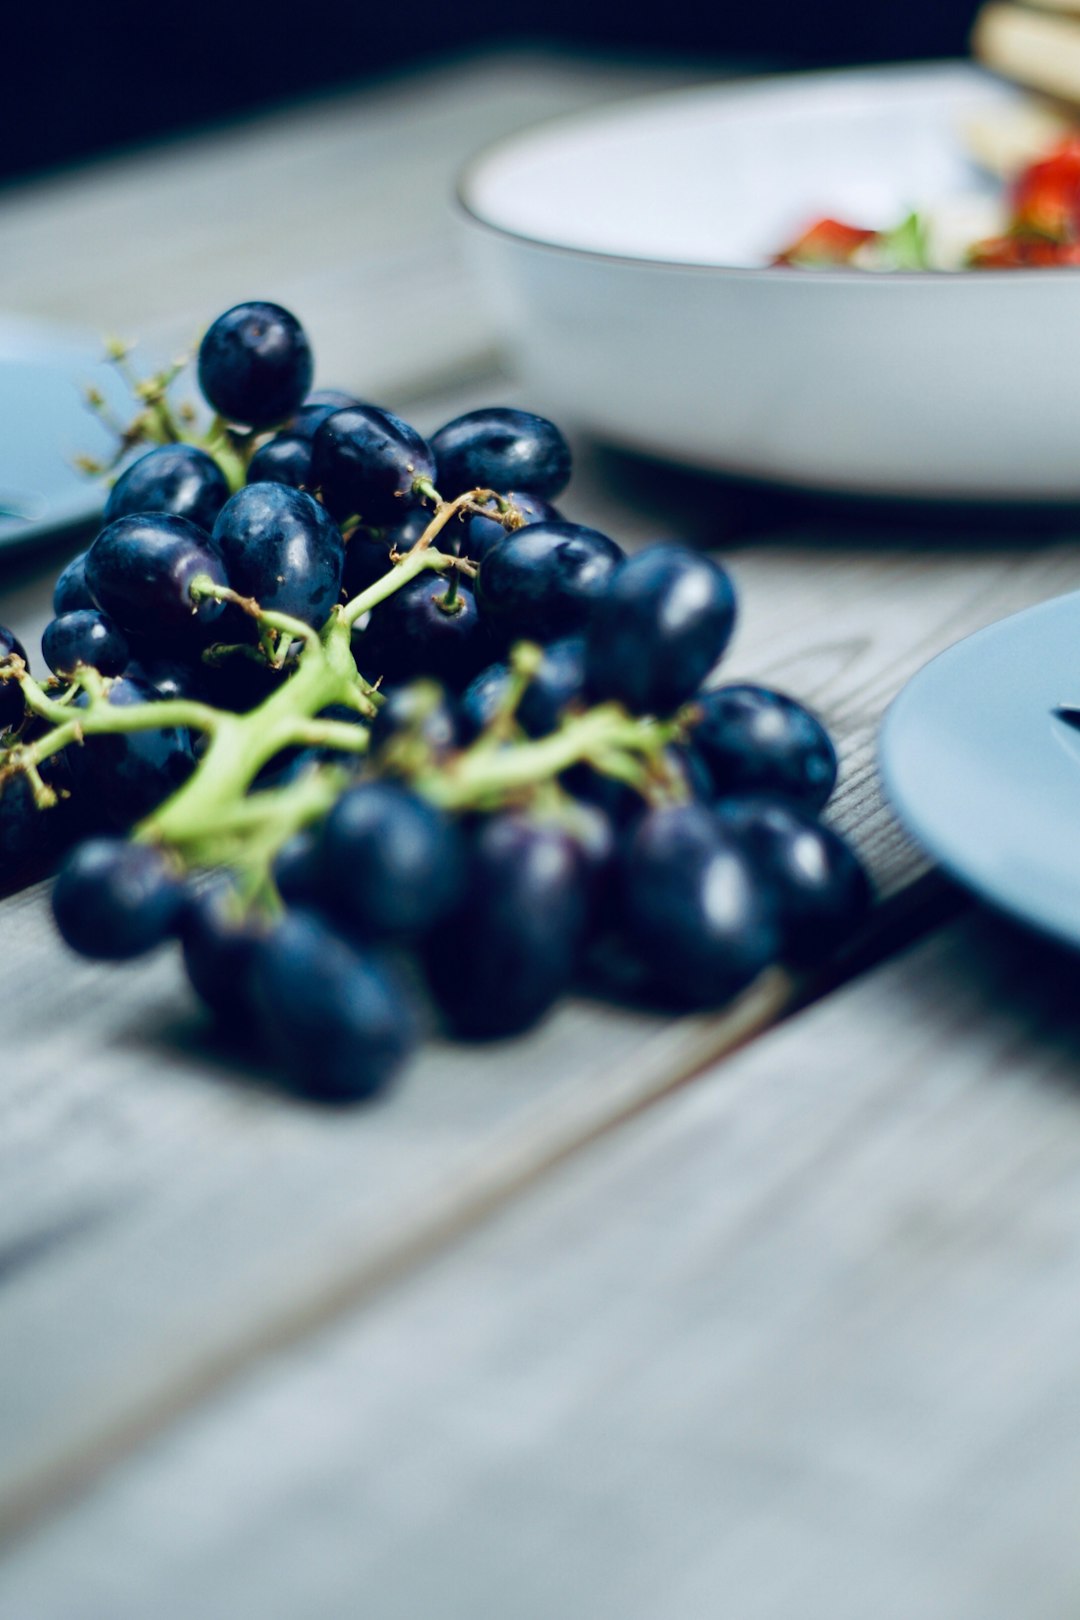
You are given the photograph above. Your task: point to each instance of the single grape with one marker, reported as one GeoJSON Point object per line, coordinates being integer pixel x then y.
{"type": "Point", "coordinates": [239, 683]}
{"type": "Point", "coordinates": [367, 559]}
{"type": "Point", "coordinates": [754, 740]}
{"type": "Point", "coordinates": [597, 839]}
{"type": "Point", "coordinates": [114, 899]}
{"type": "Point", "coordinates": [367, 463]}
{"type": "Point", "coordinates": [338, 1021]}
{"type": "Point", "coordinates": [543, 581]}
{"type": "Point", "coordinates": [87, 637]}
{"type": "Point", "coordinates": [403, 535]}
{"type": "Point", "coordinates": [420, 631]}
{"type": "Point", "coordinates": [367, 554]}
{"type": "Point", "coordinates": [554, 690]}
{"type": "Point", "coordinates": [678, 773]}
{"type": "Point", "coordinates": [218, 942]}
{"type": "Point", "coordinates": [501, 449]}
{"type": "Point", "coordinates": [12, 707]}
{"type": "Point", "coordinates": [421, 712]}
{"type": "Point", "coordinates": [176, 478]}
{"type": "Point", "coordinates": [255, 364]}
{"type": "Point", "coordinates": [483, 698]}
{"type": "Point", "coordinates": [282, 548]}
{"type": "Point", "coordinates": [320, 404]}
{"type": "Point", "coordinates": [510, 948]}
{"type": "Point", "coordinates": [482, 533]}
{"type": "Point", "coordinates": [296, 868]}
{"type": "Point", "coordinates": [168, 677]}
{"type": "Point", "coordinates": [390, 864]}
{"type": "Point", "coordinates": [820, 891]}
{"type": "Point", "coordinates": [71, 591]}
{"type": "Point", "coordinates": [129, 774]}
{"type": "Point", "coordinates": [658, 628]}
{"type": "Point", "coordinates": [694, 908]}
{"type": "Point", "coordinates": [140, 570]}
{"type": "Point", "coordinates": [284, 459]}
{"type": "Point", "coordinates": [27, 832]}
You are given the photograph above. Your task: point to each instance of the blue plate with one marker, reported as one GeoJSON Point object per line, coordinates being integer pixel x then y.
{"type": "Point", "coordinates": [982, 764]}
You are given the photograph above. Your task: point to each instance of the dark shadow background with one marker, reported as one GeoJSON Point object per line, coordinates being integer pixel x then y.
{"type": "Point", "coordinates": [87, 78]}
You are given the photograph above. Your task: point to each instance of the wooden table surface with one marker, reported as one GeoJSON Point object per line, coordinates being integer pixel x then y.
{"type": "Point", "coordinates": [613, 1321]}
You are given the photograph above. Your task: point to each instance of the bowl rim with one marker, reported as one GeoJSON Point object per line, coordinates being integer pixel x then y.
{"type": "Point", "coordinates": [739, 87]}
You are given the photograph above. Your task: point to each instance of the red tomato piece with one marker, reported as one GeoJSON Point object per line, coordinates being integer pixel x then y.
{"type": "Point", "coordinates": [828, 241]}
{"type": "Point", "coordinates": [1046, 197]}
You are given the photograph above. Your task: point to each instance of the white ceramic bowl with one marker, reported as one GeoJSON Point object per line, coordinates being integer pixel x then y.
{"type": "Point", "coordinates": [626, 256]}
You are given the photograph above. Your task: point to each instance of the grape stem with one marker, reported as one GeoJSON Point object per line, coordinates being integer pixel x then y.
{"type": "Point", "coordinates": [410, 566]}
{"type": "Point", "coordinates": [471, 501]}
{"type": "Point", "coordinates": [604, 736]}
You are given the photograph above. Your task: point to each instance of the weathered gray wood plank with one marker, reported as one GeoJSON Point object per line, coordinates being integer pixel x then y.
{"type": "Point", "coordinates": [800, 1341]}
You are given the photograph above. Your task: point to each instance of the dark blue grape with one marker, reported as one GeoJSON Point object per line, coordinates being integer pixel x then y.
{"type": "Point", "coordinates": [239, 683]}
{"type": "Point", "coordinates": [418, 631]}
{"type": "Point", "coordinates": [678, 773]}
{"type": "Point", "coordinates": [296, 868]}
{"type": "Point", "coordinates": [318, 405]}
{"type": "Point", "coordinates": [553, 691]}
{"type": "Point", "coordinates": [337, 1020]}
{"type": "Point", "coordinates": [754, 740]}
{"type": "Point", "coordinates": [140, 570]}
{"type": "Point", "coordinates": [71, 591]}
{"type": "Point", "coordinates": [390, 864]}
{"type": "Point", "coordinates": [482, 533]}
{"type": "Point", "coordinates": [12, 707]}
{"type": "Point", "coordinates": [510, 948]}
{"type": "Point", "coordinates": [27, 832]}
{"type": "Point", "coordinates": [367, 462]}
{"type": "Point", "coordinates": [483, 698]}
{"type": "Point", "coordinates": [544, 580]}
{"type": "Point", "coordinates": [819, 889]}
{"type": "Point", "coordinates": [218, 941]}
{"type": "Point", "coordinates": [115, 900]}
{"type": "Point", "coordinates": [403, 535]}
{"type": "Point", "coordinates": [127, 775]}
{"type": "Point", "coordinates": [368, 553]}
{"type": "Point", "coordinates": [694, 908]}
{"type": "Point", "coordinates": [176, 478]}
{"type": "Point", "coordinates": [168, 677]}
{"type": "Point", "coordinates": [501, 449]}
{"type": "Point", "coordinates": [284, 459]}
{"type": "Point", "coordinates": [556, 688]}
{"type": "Point", "coordinates": [281, 547]}
{"type": "Point", "coordinates": [597, 838]}
{"type": "Point", "coordinates": [255, 364]}
{"type": "Point", "coordinates": [367, 559]}
{"type": "Point", "coordinates": [85, 637]}
{"type": "Point", "coordinates": [664, 619]}
{"type": "Point", "coordinates": [421, 711]}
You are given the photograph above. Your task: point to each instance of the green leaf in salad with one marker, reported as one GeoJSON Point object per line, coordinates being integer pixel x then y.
{"type": "Point", "coordinates": [905, 247]}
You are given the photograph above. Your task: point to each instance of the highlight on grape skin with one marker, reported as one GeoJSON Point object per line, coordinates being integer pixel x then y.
{"type": "Point", "coordinates": [322, 698]}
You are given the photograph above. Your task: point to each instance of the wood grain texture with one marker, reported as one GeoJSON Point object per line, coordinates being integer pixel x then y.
{"type": "Point", "coordinates": [799, 1341]}
{"type": "Point", "coordinates": [161, 1221]}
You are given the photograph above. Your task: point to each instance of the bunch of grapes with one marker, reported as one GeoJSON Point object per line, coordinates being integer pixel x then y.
{"type": "Point", "coordinates": [384, 740]}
